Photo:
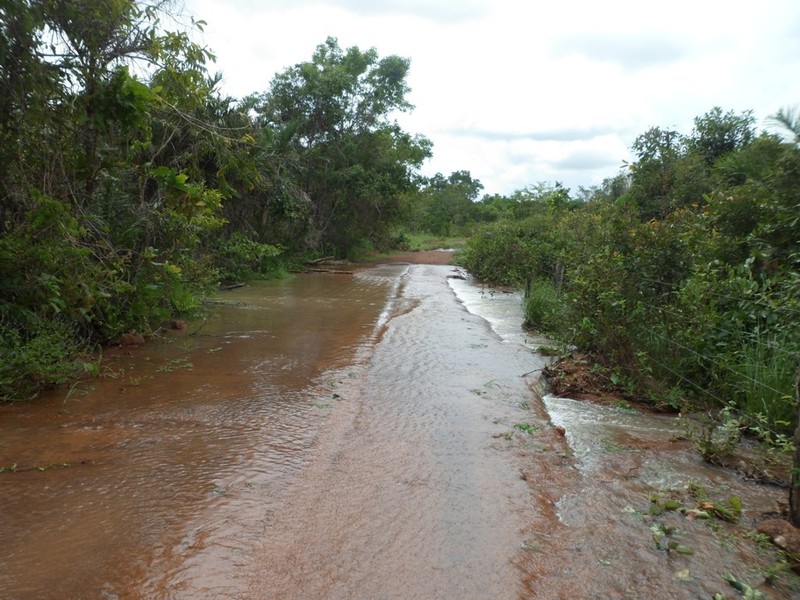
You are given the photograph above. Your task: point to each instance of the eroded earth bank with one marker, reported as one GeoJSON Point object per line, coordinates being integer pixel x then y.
{"type": "Point", "coordinates": [374, 436]}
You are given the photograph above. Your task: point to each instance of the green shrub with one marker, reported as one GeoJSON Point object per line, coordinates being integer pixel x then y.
{"type": "Point", "coordinates": [500, 254]}
{"type": "Point", "coordinates": [545, 311]}
{"type": "Point", "coordinates": [48, 354]}
{"type": "Point", "coordinates": [359, 249]}
{"type": "Point", "coordinates": [241, 258]}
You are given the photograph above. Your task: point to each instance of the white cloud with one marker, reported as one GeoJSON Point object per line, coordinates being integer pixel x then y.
{"type": "Point", "coordinates": [631, 52]}
{"type": "Point", "coordinates": [518, 92]}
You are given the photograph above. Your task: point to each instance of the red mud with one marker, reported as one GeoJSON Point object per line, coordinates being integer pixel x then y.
{"type": "Point", "coordinates": [423, 257]}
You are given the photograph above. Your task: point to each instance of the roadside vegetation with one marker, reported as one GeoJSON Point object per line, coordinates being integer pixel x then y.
{"type": "Point", "coordinates": [130, 185]}
{"type": "Point", "coordinates": [678, 276]}
{"type": "Point", "coordinates": [675, 281]}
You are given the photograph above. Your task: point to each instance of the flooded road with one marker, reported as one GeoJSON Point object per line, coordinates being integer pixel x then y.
{"type": "Point", "coordinates": [414, 491]}
{"type": "Point", "coordinates": [366, 436]}
{"type": "Point", "coordinates": [180, 452]}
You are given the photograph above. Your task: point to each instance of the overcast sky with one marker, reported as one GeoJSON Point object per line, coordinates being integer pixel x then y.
{"type": "Point", "coordinates": [518, 92]}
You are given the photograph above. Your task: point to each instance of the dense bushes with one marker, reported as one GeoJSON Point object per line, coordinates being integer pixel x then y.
{"type": "Point", "coordinates": [241, 258]}
{"type": "Point", "coordinates": [501, 254]}
{"type": "Point", "coordinates": [689, 295]}
{"type": "Point", "coordinates": [124, 198]}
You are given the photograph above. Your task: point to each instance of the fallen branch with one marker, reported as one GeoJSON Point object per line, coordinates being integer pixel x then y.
{"type": "Point", "coordinates": [332, 271]}
{"type": "Point", "coordinates": [317, 261]}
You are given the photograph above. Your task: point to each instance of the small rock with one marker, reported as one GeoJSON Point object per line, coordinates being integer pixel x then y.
{"type": "Point", "coordinates": [561, 431]}
{"type": "Point", "coordinates": [131, 339]}
{"type": "Point", "coordinates": [785, 536]}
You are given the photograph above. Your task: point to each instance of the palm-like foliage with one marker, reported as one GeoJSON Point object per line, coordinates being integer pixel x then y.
{"type": "Point", "coordinates": [788, 119]}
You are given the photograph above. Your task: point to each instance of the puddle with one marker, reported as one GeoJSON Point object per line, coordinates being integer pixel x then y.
{"type": "Point", "coordinates": [177, 456]}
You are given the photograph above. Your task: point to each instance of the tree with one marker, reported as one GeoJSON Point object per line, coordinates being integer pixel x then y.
{"type": "Point", "coordinates": [653, 174]}
{"type": "Point", "coordinates": [788, 119]}
{"type": "Point", "coordinates": [716, 133]}
{"type": "Point", "coordinates": [27, 85]}
{"type": "Point", "coordinates": [102, 199]}
{"type": "Point", "coordinates": [674, 171]}
{"type": "Point", "coordinates": [353, 161]}
{"type": "Point", "coordinates": [448, 202]}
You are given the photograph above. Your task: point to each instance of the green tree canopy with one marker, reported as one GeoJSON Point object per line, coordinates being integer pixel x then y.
{"type": "Point", "coordinates": [335, 115]}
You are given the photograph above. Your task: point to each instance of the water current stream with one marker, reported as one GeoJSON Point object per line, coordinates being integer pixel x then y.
{"type": "Point", "coordinates": [374, 436]}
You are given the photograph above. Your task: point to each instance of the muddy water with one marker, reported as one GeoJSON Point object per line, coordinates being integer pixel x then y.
{"type": "Point", "coordinates": [413, 492]}
{"type": "Point", "coordinates": [615, 545]}
{"type": "Point", "coordinates": [324, 437]}
{"type": "Point", "coordinates": [607, 543]}
{"type": "Point", "coordinates": [177, 455]}
{"type": "Point", "coordinates": [372, 436]}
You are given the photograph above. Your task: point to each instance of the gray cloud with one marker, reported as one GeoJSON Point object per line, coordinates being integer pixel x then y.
{"type": "Point", "coordinates": [586, 160]}
{"type": "Point", "coordinates": [632, 52]}
{"type": "Point", "coordinates": [553, 135]}
{"type": "Point", "coordinates": [443, 11]}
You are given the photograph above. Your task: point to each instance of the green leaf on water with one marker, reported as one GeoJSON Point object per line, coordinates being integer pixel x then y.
{"type": "Point", "coordinates": [532, 546]}
{"type": "Point", "coordinates": [696, 513]}
{"type": "Point", "coordinates": [671, 504]}
{"type": "Point", "coordinates": [679, 548]}
{"type": "Point", "coordinates": [749, 592]}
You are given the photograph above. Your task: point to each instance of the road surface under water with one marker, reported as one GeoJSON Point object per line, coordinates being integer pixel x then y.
{"type": "Point", "coordinates": [334, 436]}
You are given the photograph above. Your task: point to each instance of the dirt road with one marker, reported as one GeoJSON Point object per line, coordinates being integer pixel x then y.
{"type": "Point", "coordinates": [445, 474]}
{"type": "Point", "coordinates": [415, 488]}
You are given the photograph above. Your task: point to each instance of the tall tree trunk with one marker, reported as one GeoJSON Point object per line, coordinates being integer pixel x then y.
{"type": "Point", "coordinates": [794, 486]}
{"type": "Point", "coordinates": [558, 277]}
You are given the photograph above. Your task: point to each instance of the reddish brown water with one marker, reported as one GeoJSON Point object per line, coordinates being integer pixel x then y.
{"type": "Point", "coordinates": [346, 437]}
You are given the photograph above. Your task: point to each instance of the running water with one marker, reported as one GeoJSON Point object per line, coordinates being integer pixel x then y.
{"type": "Point", "coordinates": [609, 545]}
{"type": "Point", "coordinates": [412, 492]}
{"type": "Point", "coordinates": [155, 480]}
{"type": "Point", "coordinates": [333, 436]}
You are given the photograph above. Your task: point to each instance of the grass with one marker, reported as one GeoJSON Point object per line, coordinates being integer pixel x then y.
{"type": "Point", "coordinates": [761, 378]}
{"type": "Point", "coordinates": [545, 311]}
{"type": "Point", "coordinates": [422, 242]}
{"type": "Point", "coordinates": [526, 428]}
